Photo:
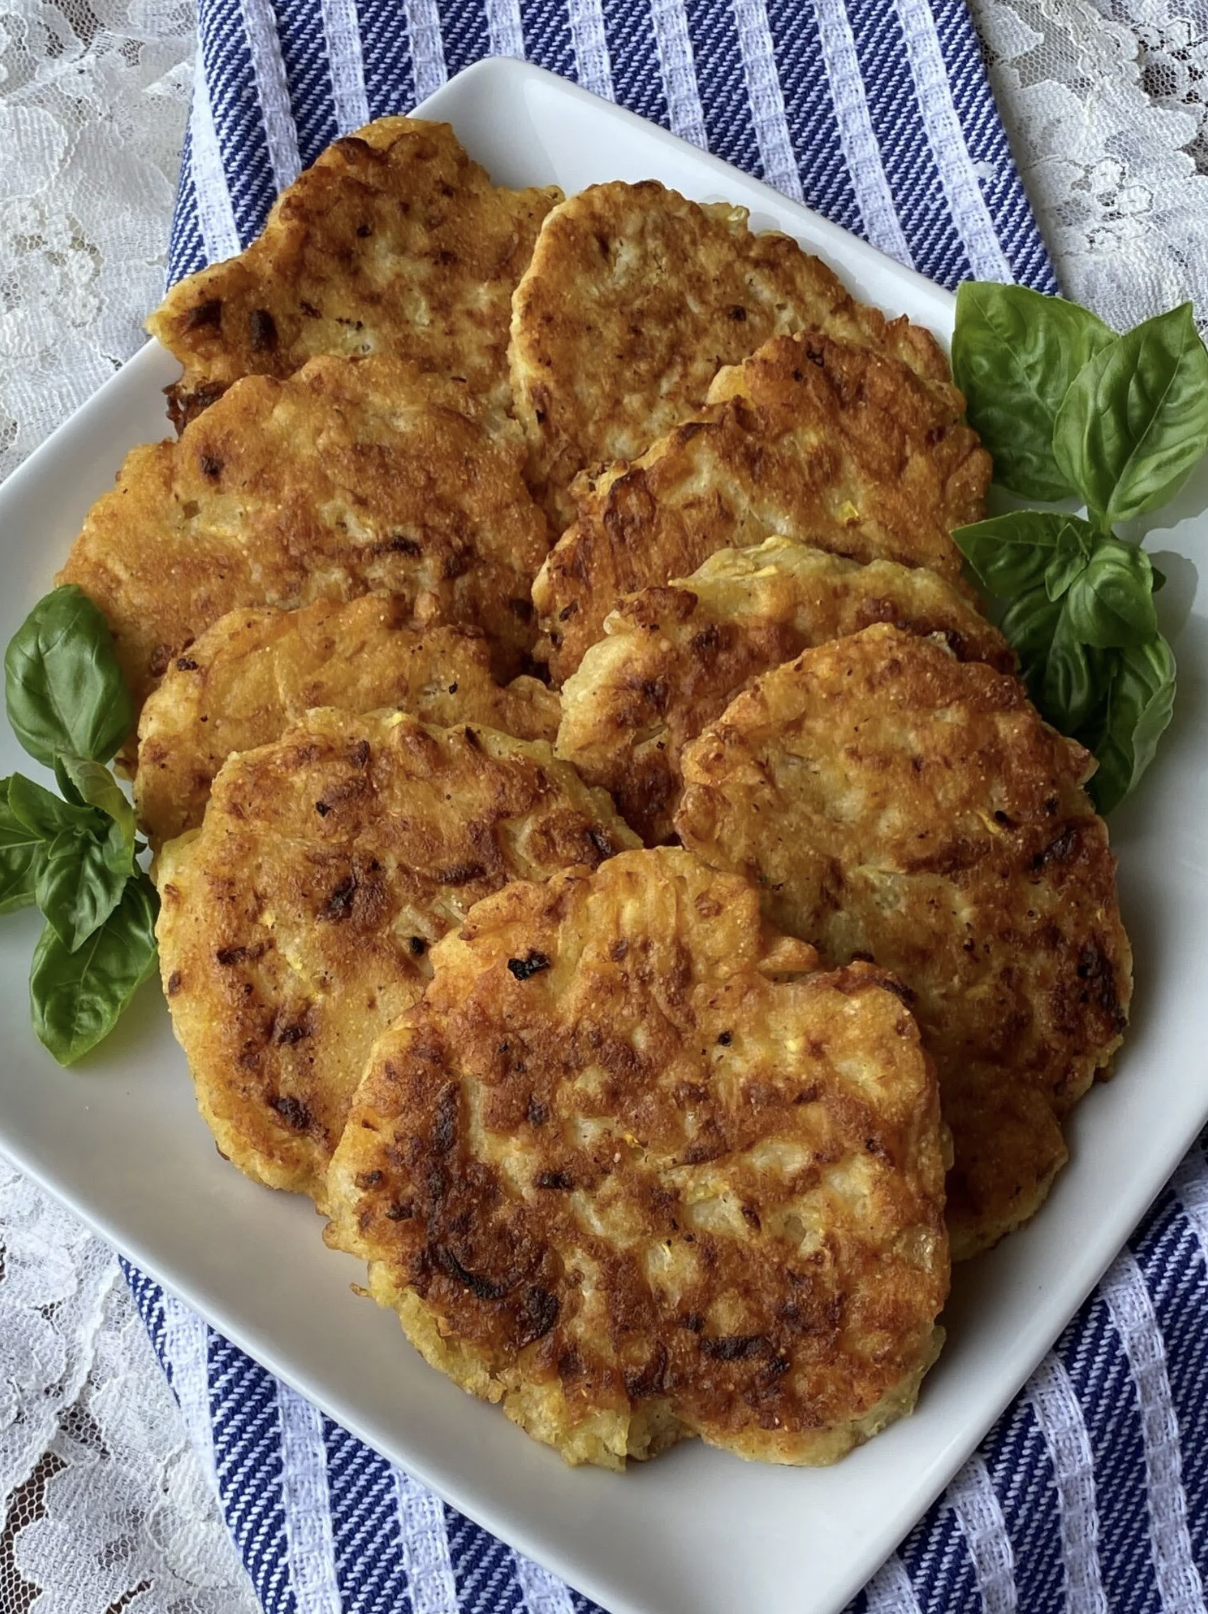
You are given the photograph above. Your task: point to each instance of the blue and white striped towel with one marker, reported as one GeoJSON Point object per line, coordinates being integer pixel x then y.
{"type": "Point", "coordinates": [1091, 1493]}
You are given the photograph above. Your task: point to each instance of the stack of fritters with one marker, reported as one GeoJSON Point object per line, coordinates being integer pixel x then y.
{"type": "Point", "coordinates": [641, 1143]}
{"type": "Point", "coordinates": [251, 675]}
{"type": "Point", "coordinates": [672, 658]}
{"type": "Point", "coordinates": [894, 803]}
{"type": "Point", "coordinates": [355, 475]}
{"type": "Point", "coordinates": [636, 297]}
{"type": "Point", "coordinates": [851, 441]}
{"type": "Point", "coordinates": [296, 922]}
{"type": "Point", "coordinates": [812, 439]}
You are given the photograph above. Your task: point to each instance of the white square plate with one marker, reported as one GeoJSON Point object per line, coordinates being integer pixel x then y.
{"type": "Point", "coordinates": [697, 1532]}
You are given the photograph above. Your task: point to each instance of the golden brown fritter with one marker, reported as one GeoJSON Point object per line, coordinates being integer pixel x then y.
{"type": "Point", "coordinates": [638, 1170]}
{"type": "Point", "coordinates": [811, 439]}
{"type": "Point", "coordinates": [295, 923]}
{"type": "Point", "coordinates": [896, 804]}
{"type": "Point", "coordinates": [636, 297]}
{"type": "Point", "coordinates": [251, 675]}
{"type": "Point", "coordinates": [394, 242]}
{"type": "Point", "coordinates": [673, 658]}
{"type": "Point", "coordinates": [354, 476]}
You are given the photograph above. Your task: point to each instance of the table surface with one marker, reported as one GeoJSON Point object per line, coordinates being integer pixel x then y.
{"type": "Point", "coordinates": [103, 1494]}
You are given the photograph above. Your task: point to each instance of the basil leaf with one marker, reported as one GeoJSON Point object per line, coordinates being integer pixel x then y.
{"type": "Point", "coordinates": [1069, 562]}
{"type": "Point", "coordinates": [94, 784]}
{"type": "Point", "coordinates": [64, 689]}
{"type": "Point", "coordinates": [1095, 664]}
{"type": "Point", "coordinates": [76, 998]}
{"type": "Point", "coordinates": [43, 814]}
{"type": "Point", "coordinates": [1075, 681]}
{"type": "Point", "coordinates": [19, 877]}
{"type": "Point", "coordinates": [67, 790]}
{"type": "Point", "coordinates": [1012, 553]}
{"type": "Point", "coordinates": [20, 854]}
{"type": "Point", "coordinates": [1029, 624]}
{"type": "Point", "coordinates": [1110, 604]}
{"type": "Point", "coordinates": [119, 850]}
{"type": "Point", "coordinates": [1138, 710]}
{"type": "Point", "coordinates": [1135, 421]}
{"type": "Point", "coordinates": [1065, 679]}
{"type": "Point", "coordinates": [1014, 355]}
{"type": "Point", "coordinates": [77, 889]}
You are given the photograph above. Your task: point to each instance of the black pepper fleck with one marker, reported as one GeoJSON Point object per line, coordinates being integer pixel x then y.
{"type": "Point", "coordinates": [533, 964]}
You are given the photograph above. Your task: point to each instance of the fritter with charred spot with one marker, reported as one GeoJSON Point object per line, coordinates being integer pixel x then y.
{"type": "Point", "coordinates": [394, 242]}
{"type": "Point", "coordinates": [251, 675]}
{"type": "Point", "coordinates": [296, 922]}
{"type": "Point", "coordinates": [811, 439]}
{"type": "Point", "coordinates": [894, 803]}
{"type": "Point", "coordinates": [636, 297]}
{"type": "Point", "coordinates": [638, 1170]}
{"type": "Point", "coordinates": [354, 476]}
{"type": "Point", "coordinates": [672, 659]}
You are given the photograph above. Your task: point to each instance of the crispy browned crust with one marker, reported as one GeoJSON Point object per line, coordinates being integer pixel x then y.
{"type": "Point", "coordinates": [251, 675]}
{"type": "Point", "coordinates": [353, 476]}
{"type": "Point", "coordinates": [394, 242]}
{"type": "Point", "coordinates": [894, 803]}
{"type": "Point", "coordinates": [638, 1170]}
{"type": "Point", "coordinates": [635, 297]}
{"type": "Point", "coordinates": [295, 923]}
{"type": "Point", "coordinates": [812, 439]}
{"type": "Point", "coordinates": [673, 658]}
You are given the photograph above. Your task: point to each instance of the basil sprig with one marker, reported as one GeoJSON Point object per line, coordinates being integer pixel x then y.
{"type": "Point", "coordinates": [63, 687]}
{"type": "Point", "coordinates": [1081, 618]}
{"type": "Point", "coordinates": [1015, 354]}
{"type": "Point", "coordinates": [74, 855]}
{"type": "Point", "coordinates": [1134, 422]}
{"type": "Point", "coordinates": [1070, 410]}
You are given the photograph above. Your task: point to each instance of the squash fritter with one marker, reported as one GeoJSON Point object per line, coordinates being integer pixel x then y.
{"type": "Point", "coordinates": [672, 659]}
{"type": "Point", "coordinates": [638, 1170]}
{"type": "Point", "coordinates": [811, 439]}
{"type": "Point", "coordinates": [354, 476]}
{"type": "Point", "coordinates": [251, 675]}
{"type": "Point", "coordinates": [295, 924]}
{"type": "Point", "coordinates": [636, 297]}
{"type": "Point", "coordinates": [394, 242]}
{"type": "Point", "coordinates": [896, 804]}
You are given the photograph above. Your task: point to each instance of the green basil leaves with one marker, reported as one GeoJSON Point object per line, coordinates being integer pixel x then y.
{"type": "Point", "coordinates": [1109, 602]}
{"type": "Point", "coordinates": [1015, 354]}
{"type": "Point", "coordinates": [20, 851]}
{"type": "Point", "coordinates": [1081, 619]}
{"type": "Point", "coordinates": [75, 854]}
{"type": "Point", "coordinates": [1070, 410]}
{"type": "Point", "coordinates": [62, 684]}
{"type": "Point", "coordinates": [1135, 420]}
{"type": "Point", "coordinates": [77, 996]}
{"type": "Point", "coordinates": [1134, 716]}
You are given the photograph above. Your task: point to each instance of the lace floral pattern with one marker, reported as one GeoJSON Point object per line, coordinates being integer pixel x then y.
{"type": "Point", "coordinates": [1106, 101]}
{"type": "Point", "coordinates": [1106, 105]}
{"type": "Point", "coordinates": [93, 98]}
{"type": "Point", "coordinates": [104, 1501]}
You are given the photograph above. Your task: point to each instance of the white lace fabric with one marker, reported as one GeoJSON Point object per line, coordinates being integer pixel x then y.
{"type": "Point", "coordinates": [104, 1502]}
{"type": "Point", "coordinates": [1106, 106]}
{"type": "Point", "coordinates": [103, 1506]}
{"type": "Point", "coordinates": [93, 97]}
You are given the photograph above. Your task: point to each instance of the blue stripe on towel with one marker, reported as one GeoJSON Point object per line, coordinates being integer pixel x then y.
{"type": "Point", "coordinates": [914, 180]}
